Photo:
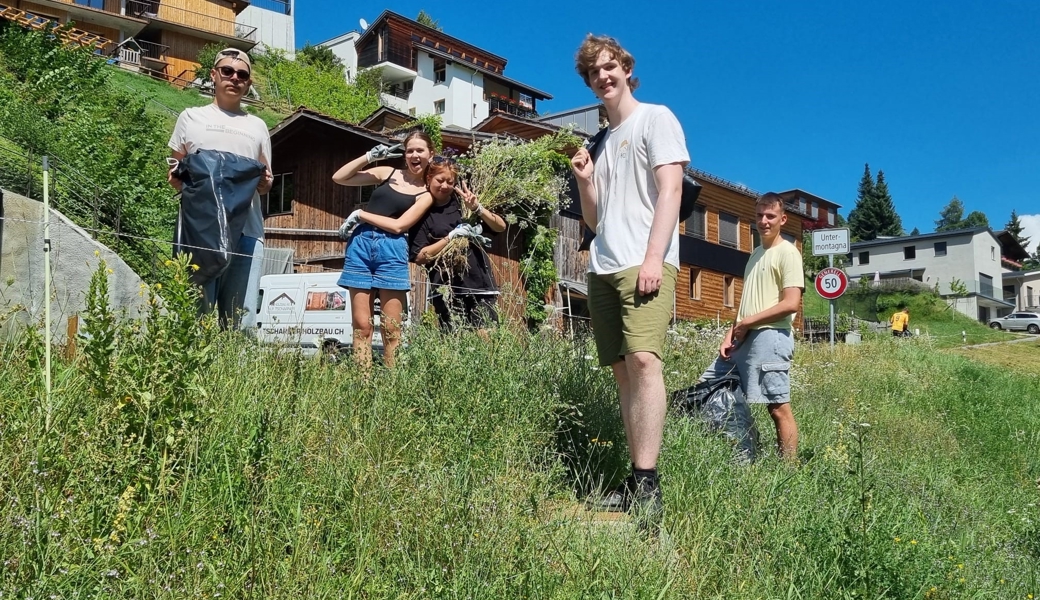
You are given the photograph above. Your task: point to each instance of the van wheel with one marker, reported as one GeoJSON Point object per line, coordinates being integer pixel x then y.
{"type": "Point", "coordinates": [333, 352]}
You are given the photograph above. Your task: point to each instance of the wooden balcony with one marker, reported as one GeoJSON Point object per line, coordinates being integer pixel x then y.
{"type": "Point", "coordinates": [509, 106]}
{"type": "Point", "coordinates": [165, 16]}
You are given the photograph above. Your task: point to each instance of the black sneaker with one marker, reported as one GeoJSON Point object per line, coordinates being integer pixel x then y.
{"type": "Point", "coordinates": [646, 507]}
{"type": "Point", "coordinates": [618, 499]}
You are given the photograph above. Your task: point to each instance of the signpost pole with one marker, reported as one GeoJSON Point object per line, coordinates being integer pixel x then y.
{"type": "Point", "coordinates": [830, 263]}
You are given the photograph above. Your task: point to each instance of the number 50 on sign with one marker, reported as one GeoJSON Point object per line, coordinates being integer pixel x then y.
{"type": "Point", "coordinates": [831, 283]}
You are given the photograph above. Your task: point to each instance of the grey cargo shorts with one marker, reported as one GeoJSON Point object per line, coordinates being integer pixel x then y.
{"type": "Point", "coordinates": [763, 361]}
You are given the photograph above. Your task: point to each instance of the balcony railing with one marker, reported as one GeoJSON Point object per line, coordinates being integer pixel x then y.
{"type": "Point", "coordinates": [153, 51]}
{"type": "Point", "coordinates": [508, 106]}
{"type": "Point", "coordinates": [399, 54]}
{"type": "Point", "coordinates": [153, 9]}
{"type": "Point", "coordinates": [400, 90]}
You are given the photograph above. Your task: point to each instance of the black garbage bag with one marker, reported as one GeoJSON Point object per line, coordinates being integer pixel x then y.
{"type": "Point", "coordinates": [215, 201]}
{"type": "Point", "coordinates": [720, 404]}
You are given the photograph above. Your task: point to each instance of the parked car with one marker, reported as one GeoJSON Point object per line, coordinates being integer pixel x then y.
{"type": "Point", "coordinates": [1027, 321]}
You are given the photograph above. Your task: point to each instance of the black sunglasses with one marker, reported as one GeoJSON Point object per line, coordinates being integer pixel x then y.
{"type": "Point", "coordinates": [443, 159]}
{"type": "Point", "coordinates": [227, 72]}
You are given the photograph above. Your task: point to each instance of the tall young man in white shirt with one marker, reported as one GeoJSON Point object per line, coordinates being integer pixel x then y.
{"type": "Point", "coordinates": [631, 198]}
{"type": "Point", "coordinates": [223, 125]}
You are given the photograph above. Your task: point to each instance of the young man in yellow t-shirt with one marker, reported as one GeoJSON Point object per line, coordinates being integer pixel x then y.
{"type": "Point", "coordinates": [760, 345]}
{"type": "Point", "coordinates": [900, 322]}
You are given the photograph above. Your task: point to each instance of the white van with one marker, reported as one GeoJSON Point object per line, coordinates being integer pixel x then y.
{"type": "Point", "coordinates": [309, 311]}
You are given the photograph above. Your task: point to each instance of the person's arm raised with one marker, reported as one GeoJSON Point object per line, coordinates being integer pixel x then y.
{"type": "Point", "coordinates": [581, 165]}
{"type": "Point", "coordinates": [353, 175]}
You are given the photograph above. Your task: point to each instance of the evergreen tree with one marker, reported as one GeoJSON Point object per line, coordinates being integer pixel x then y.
{"type": "Point", "coordinates": [951, 217]}
{"type": "Point", "coordinates": [1014, 227]}
{"type": "Point", "coordinates": [424, 18]}
{"type": "Point", "coordinates": [857, 216]}
{"type": "Point", "coordinates": [875, 214]}
{"type": "Point", "coordinates": [1033, 262]}
{"type": "Point", "coordinates": [916, 231]}
{"type": "Point", "coordinates": [890, 224]}
{"type": "Point", "coordinates": [975, 218]}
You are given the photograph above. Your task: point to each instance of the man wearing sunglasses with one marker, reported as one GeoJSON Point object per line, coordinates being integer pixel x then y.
{"type": "Point", "coordinates": [224, 126]}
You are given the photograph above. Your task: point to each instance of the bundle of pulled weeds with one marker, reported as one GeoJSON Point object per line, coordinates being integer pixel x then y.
{"type": "Point", "coordinates": [454, 257]}
{"type": "Point", "coordinates": [520, 178]}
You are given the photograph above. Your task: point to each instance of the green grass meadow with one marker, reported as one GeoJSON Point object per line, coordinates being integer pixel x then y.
{"type": "Point", "coordinates": [176, 462]}
{"type": "Point", "coordinates": [928, 313]}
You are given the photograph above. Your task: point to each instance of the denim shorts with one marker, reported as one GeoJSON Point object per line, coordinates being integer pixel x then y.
{"type": "Point", "coordinates": [763, 360]}
{"type": "Point", "coordinates": [376, 259]}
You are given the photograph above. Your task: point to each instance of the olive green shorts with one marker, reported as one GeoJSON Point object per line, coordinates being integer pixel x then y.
{"type": "Point", "coordinates": [623, 320]}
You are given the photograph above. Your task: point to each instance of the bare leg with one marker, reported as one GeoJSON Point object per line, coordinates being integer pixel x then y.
{"type": "Point", "coordinates": [786, 430]}
{"type": "Point", "coordinates": [392, 304]}
{"type": "Point", "coordinates": [361, 315]}
{"type": "Point", "coordinates": [643, 406]}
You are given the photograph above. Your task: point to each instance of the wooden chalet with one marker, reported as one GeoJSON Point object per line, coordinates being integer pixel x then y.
{"type": "Point", "coordinates": [168, 34]}
{"type": "Point", "coordinates": [305, 208]}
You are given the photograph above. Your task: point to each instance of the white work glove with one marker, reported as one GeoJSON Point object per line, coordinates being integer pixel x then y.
{"type": "Point", "coordinates": [382, 151]}
{"type": "Point", "coordinates": [460, 229]}
{"type": "Point", "coordinates": [347, 228]}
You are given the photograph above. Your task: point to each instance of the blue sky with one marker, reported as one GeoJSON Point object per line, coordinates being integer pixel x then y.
{"type": "Point", "coordinates": [941, 96]}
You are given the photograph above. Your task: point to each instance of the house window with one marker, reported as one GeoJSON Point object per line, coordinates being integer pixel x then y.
{"type": "Point", "coordinates": [864, 258]}
{"type": "Point", "coordinates": [986, 285]}
{"type": "Point", "coordinates": [729, 230]}
{"type": "Point", "coordinates": [696, 225]}
{"type": "Point", "coordinates": [695, 284]}
{"type": "Point", "coordinates": [438, 107]}
{"type": "Point", "coordinates": [993, 253]}
{"type": "Point", "coordinates": [909, 252]}
{"type": "Point", "coordinates": [364, 195]}
{"type": "Point", "coordinates": [815, 209]}
{"type": "Point", "coordinates": [440, 70]}
{"type": "Point", "coordinates": [98, 4]}
{"type": "Point", "coordinates": [279, 200]}
{"type": "Point", "coordinates": [411, 111]}
{"type": "Point", "coordinates": [756, 237]}
{"type": "Point", "coordinates": [940, 248]}
{"type": "Point", "coordinates": [727, 290]}
{"type": "Point", "coordinates": [788, 237]}
{"type": "Point", "coordinates": [830, 217]}
{"type": "Point", "coordinates": [526, 101]}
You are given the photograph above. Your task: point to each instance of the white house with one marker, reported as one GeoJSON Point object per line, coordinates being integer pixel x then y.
{"type": "Point", "coordinates": [430, 72]}
{"type": "Point", "coordinates": [974, 257]}
{"type": "Point", "coordinates": [1023, 288]}
{"type": "Point", "coordinates": [274, 21]}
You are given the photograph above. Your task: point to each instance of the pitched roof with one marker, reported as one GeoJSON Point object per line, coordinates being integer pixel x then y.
{"type": "Point", "coordinates": [304, 114]}
{"type": "Point", "coordinates": [923, 236]}
{"type": "Point", "coordinates": [435, 32]}
{"type": "Point", "coordinates": [809, 195]}
{"type": "Point", "coordinates": [488, 73]}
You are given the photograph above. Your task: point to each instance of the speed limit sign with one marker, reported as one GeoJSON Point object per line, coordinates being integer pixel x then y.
{"type": "Point", "coordinates": [831, 283]}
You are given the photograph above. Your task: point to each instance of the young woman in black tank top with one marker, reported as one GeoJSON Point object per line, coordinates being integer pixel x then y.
{"type": "Point", "coordinates": [377, 253]}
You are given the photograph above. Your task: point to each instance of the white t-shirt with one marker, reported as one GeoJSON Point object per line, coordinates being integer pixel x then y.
{"type": "Point", "coordinates": [210, 128]}
{"type": "Point", "coordinates": [626, 190]}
